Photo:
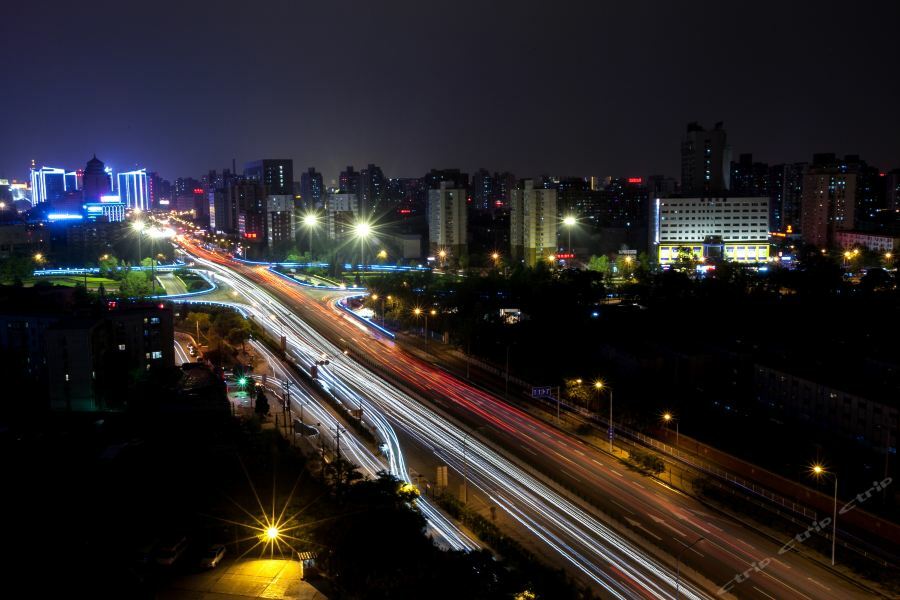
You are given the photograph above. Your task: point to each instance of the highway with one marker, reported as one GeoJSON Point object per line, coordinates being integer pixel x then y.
{"type": "Point", "coordinates": [513, 468]}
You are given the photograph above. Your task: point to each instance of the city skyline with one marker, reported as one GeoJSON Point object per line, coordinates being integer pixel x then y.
{"type": "Point", "coordinates": [468, 93]}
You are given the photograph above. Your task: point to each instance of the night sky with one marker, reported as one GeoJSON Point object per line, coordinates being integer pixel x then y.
{"type": "Point", "coordinates": [569, 88]}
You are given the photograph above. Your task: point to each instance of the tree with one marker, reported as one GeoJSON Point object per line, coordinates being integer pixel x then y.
{"type": "Point", "coordinates": [687, 260]}
{"type": "Point", "coordinates": [239, 335]}
{"type": "Point", "coordinates": [16, 268]}
{"type": "Point", "coordinates": [262, 403]}
{"type": "Point", "coordinates": [135, 284]}
{"type": "Point", "coordinates": [599, 264]}
{"type": "Point", "coordinates": [225, 321]}
{"type": "Point", "coordinates": [108, 265]}
{"type": "Point", "coordinates": [199, 321]}
{"type": "Point", "coordinates": [578, 391]}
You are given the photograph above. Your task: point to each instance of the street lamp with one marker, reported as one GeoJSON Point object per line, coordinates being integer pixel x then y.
{"type": "Point", "coordinates": [362, 230]}
{"type": "Point", "coordinates": [443, 255]}
{"type": "Point", "coordinates": [419, 312]}
{"type": "Point", "coordinates": [599, 385]}
{"type": "Point", "coordinates": [667, 417]}
{"type": "Point", "coordinates": [570, 222]}
{"type": "Point", "coordinates": [310, 221]}
{"type": "Point", "coordinates": [678, 562]}
{"type": "Point", "coordinates": [819, 471]}
{"type": "Point", "coordinates": [139, 227]}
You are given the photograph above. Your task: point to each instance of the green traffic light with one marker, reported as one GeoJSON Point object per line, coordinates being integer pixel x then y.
{"type": "Point", "coordinates": [242, 380]}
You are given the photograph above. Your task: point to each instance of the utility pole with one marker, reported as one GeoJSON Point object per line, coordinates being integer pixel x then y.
{"type": "Point", "coordinates": [337, 441]}
{"type": "Point", "coordinates": [286, 405]}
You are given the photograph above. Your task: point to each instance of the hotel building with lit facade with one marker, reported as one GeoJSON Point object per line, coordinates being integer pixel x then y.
{"type": "Point", "coordinates": [716, 227]}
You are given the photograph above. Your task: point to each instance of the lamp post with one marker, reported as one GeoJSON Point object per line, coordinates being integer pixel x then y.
{"type": "Point", "coordinates": [678, 563]}
{"type": "Point", "coordinates": [599, 385]}
{"type": "Point", "coordinates": [310, 220]}
{"type": "Point", "coordinates": [362, 230]}
{"type": "Point", "coordinates": [570, 222]}
{"type": "Point", "coordinates": [418, 312]}
{"type": "Point", "coordinates": [139, 227]}
{"type": "Point", "coordinates": [443, 255]}
{"type": "Point", "coordinates": [667, 417]}
{"type": "Point", "coordinates": [819, 471]}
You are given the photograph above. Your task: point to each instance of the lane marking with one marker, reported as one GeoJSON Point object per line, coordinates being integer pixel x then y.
{"type": "Point", "coordinates": [616, 472]}
{"type": "Point", "coordinates": [625, 508]}
{"type": "Point", "coordinates": [824, 587]}
{"type": "Point", "coordinates": [570, 475]}
{"type": "Point", "coordinates": [763, 593]}
{"type": "Point", "coordinates": [529, 450]}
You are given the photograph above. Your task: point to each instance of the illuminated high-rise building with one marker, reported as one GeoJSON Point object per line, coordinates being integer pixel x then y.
{"type": "Point", "coordinates": [372, 189]}
{"type": "Point", "coordinates": [47, 184]}
{"type": "Point", "coordinates": [447, 220]}
{"type": "Point", "coordinates": [74, 181]}
{"type": "Point", "coordinates": [534, 223]}
{"type": "Point", "coordinates": [312, 190]}
{"type": "Point", "coordinates": [133, 189]}
{"type": "Point", "coordinates": [276, 174]}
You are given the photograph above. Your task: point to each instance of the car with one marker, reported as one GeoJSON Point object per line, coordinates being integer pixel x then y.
{"type": "Point", "coordinates": [171, 550]}
{"type": "Point", "coordinates": [212, 556]}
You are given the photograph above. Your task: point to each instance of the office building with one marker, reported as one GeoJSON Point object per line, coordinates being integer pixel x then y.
{"type": "Point", "coordinates": [47, 184]}
{"type": "Point", "coordinates": [711, 228]}
{"type": "Point", "coordinates": [876, 242]}
{"type": "Point", "coordinates": [276, 175]}
{"type": "Point", "coordinates": [837, 195]}
{"type": "Point", "coordinates": [483, 189]}
{"type": "Point", "coordinates": [892, 190]}
{"type": "Point", "coordinates": [785, 197]}
{"type": "Point", "coordinates": [705, 161]}
{"type": "Point", "coordinates": [448, 221]}
{"type": "Point", "coordinates": [281, 222]}
{"type": "Point", "coordinates": [159, 191]}
{"type": "Point", "coordinates": [435, 177]}
{"type": "Point", "coordinates": [534, 223]}
{"type": "Point", "coordinates": [749, 178]}
{"type": "Point", "coordinates": [74, 180]}
{"type": "Point", "coordinates": [504, 184]}
{"type": "Point", "coordinates": [349, 181]}
{"type": "Point", "coordinates": [133, 190]}
{"type": "Point", "coordinates": [341, 213]}
{"type": "Point", "coordinates": [372, 189]}
{"type": "Point", "coordinates": [661, 186]}
{"type": "Point", "coordinates": [312, 190]}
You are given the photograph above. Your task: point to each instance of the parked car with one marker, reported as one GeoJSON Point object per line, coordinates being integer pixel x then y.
{"type": "Point", "coordinates": [212, 556]}
{"type": "Point", "coordinates": [171, 550]}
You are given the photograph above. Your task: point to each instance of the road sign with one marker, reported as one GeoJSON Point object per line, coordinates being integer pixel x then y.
{"type": "Point", "coordinates": [541, 392]}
